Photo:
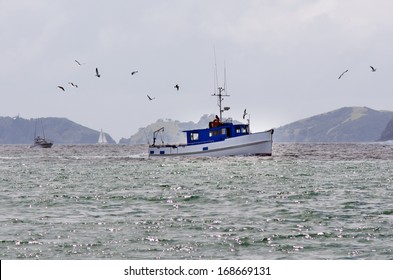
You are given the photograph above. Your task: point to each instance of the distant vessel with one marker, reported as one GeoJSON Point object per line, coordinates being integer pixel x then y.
{"type": "Point", "coordinates": [41, 142]}
{"type": "Point", "coordinates": [102, 138]}
{"type": "Point", "coordinates": [219, 139]}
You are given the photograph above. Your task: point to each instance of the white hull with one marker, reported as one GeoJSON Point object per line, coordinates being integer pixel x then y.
{"type": "Point", "coordinates": [252, 144]}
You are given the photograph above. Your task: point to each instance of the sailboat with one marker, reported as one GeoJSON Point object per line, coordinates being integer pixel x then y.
{"type": "Point", "coordinates": [39, 141]}
{"type": "Point", "coordinates": [102, 138]}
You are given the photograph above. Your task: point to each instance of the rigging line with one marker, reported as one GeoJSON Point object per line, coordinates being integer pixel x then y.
{"type": "Point", "coordinates": [161, 136]}
{"type": "Point", "coordinates": [42, 127]}
{"type": "Point", "coordinates": [35, 129]}
{"type": "Point", "coordinates": [160, 133]}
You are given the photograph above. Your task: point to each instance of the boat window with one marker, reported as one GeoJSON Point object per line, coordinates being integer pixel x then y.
{"type": "Point", "coordinates": [244, 130]}
{"type": "Point", "coordinates": [223, 131]}
{"type": "Point", "coordinates": [237, 130]}
{"type": "Point", "coordinates": [194, 136]}
{"type": "Point", "coordinates": [213, 133]}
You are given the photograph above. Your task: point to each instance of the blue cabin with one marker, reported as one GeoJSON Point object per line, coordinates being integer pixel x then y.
{"type": "Point", "coordinates": [216, 134]}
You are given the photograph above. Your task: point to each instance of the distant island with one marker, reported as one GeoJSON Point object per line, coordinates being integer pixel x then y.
{"type": "Point", "coordinates": [18, 130]}
{"type": "Point", "coordinates": [387, 134]}
{"type": "Point", "coordinates": [173, 131]}
{"type": "Point", "coordinates": [347, 124]}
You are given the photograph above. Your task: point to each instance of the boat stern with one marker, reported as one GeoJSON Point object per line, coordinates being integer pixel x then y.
{"type": "Point", "coordinates": [162, 150]}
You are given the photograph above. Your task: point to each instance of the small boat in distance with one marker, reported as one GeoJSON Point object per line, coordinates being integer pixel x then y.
{"type": "Point", "coordinates": [221, 138]}
{"type": "Point", "coordinates": [41, 142]}
{"type": "Point", "coordinates": [102, 138]}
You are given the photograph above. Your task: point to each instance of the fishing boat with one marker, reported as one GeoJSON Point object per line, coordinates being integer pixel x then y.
{"type": "Point", "coordinates": [220, 138]}
{"type": "Point", "coordinates": [102, 138]}
{"type": "Point", "coordinates": [41, 142]}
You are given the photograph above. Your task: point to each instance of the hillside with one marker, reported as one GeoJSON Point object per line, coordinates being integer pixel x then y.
{"type": "Point", "coordinates": [348, 124]}
{"type": "Point", "coordinates": [387, 134]}
{"type": "Point", "coordinates": [60, 130]}
{"type": "Point", "coordinates": [172, 131]}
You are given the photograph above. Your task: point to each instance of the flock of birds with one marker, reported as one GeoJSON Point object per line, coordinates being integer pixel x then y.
{"type": "Point", "coordinates": [98, 75]}
{"type": "Point", "coordinates": [373, 69]}
{"type": "Point", "coordinates": [177, 87]}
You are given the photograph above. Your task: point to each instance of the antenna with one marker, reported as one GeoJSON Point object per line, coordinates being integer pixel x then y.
{"type": "Point", "coordinates": [215, 72]}
{"type": "Point", "coordinates": [219, 94]}
{"type": "Point", "coordinates": [225, 77]}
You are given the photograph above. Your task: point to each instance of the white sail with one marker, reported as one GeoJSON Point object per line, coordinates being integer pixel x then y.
{"type": "Point", "coordinates": [102, 138]}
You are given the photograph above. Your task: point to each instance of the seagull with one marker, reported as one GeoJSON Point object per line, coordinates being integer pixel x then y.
{"type": "Point", "coordinates": [97, 73]}
{"type": "Point", "coordinates": [134, 72]}
{"type": "Point", "coordinates": [177, 87]}
{"type": "Point", "coordinates": [73, 85]}
{"type": "Point", "coordinates": [244, 114]}
{"type": "Point", "coordinates": [150, 98]}
{"type": "Point", "coordinates": [60, 87]}
{"type": "Point", "coordinates": [343, 73]}
{"type": "Point", "coordinates": [373, 69]}
{"type": "Point", "coordinates": [77, 62]}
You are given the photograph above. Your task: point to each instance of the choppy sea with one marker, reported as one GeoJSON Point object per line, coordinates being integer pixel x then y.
{"type": "Point", "coordinates": [307, 201]}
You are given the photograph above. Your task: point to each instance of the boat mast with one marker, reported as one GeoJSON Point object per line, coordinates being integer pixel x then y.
{"type": "Point", "coordinates": [42, 127]}
{"type": "Point", "coordinates": [220, 98]}
{"type": "Point", "coordinates": [219, 94]}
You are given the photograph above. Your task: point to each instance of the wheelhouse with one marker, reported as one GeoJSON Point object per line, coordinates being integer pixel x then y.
{"type": "Point", "coordinates": [216, 134]}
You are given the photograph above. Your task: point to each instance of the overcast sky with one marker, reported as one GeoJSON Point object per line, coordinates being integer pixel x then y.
{"type": "Point", "coordinates": [283, 59]}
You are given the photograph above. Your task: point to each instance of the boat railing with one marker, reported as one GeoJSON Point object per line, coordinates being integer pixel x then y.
{"type": "Point", "coordinates": [201, 142]}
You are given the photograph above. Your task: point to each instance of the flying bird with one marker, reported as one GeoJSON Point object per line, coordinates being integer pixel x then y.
{"type": "Point", "coordinates": [77, 62]}
{"type": "Point", "coordinates": [133, 73]}
{"type": "Point", "coordinates": [73, 85]}
{"type": "Point", "coordinates": [177, 87]}
{"type": "Point", "coordinates": [97, 73]}
{"type": "Point", "coordinates": [60, 87]}
{"type": "Point", "coordinates": [244, 114]}
{"type": "Point", "coordinates": [343, 73]}
{"type": "Point", "coordinates": [150, 98]}
{"type": "Point", "coordinates": [373, 69]}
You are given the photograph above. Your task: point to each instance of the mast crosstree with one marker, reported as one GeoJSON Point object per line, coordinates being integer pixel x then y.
{"type": "Point", "coordinates": [220, 98]}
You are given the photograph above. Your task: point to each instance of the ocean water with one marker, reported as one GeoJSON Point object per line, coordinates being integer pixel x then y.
{"type": "Point", "coordinates": [307, 201]}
